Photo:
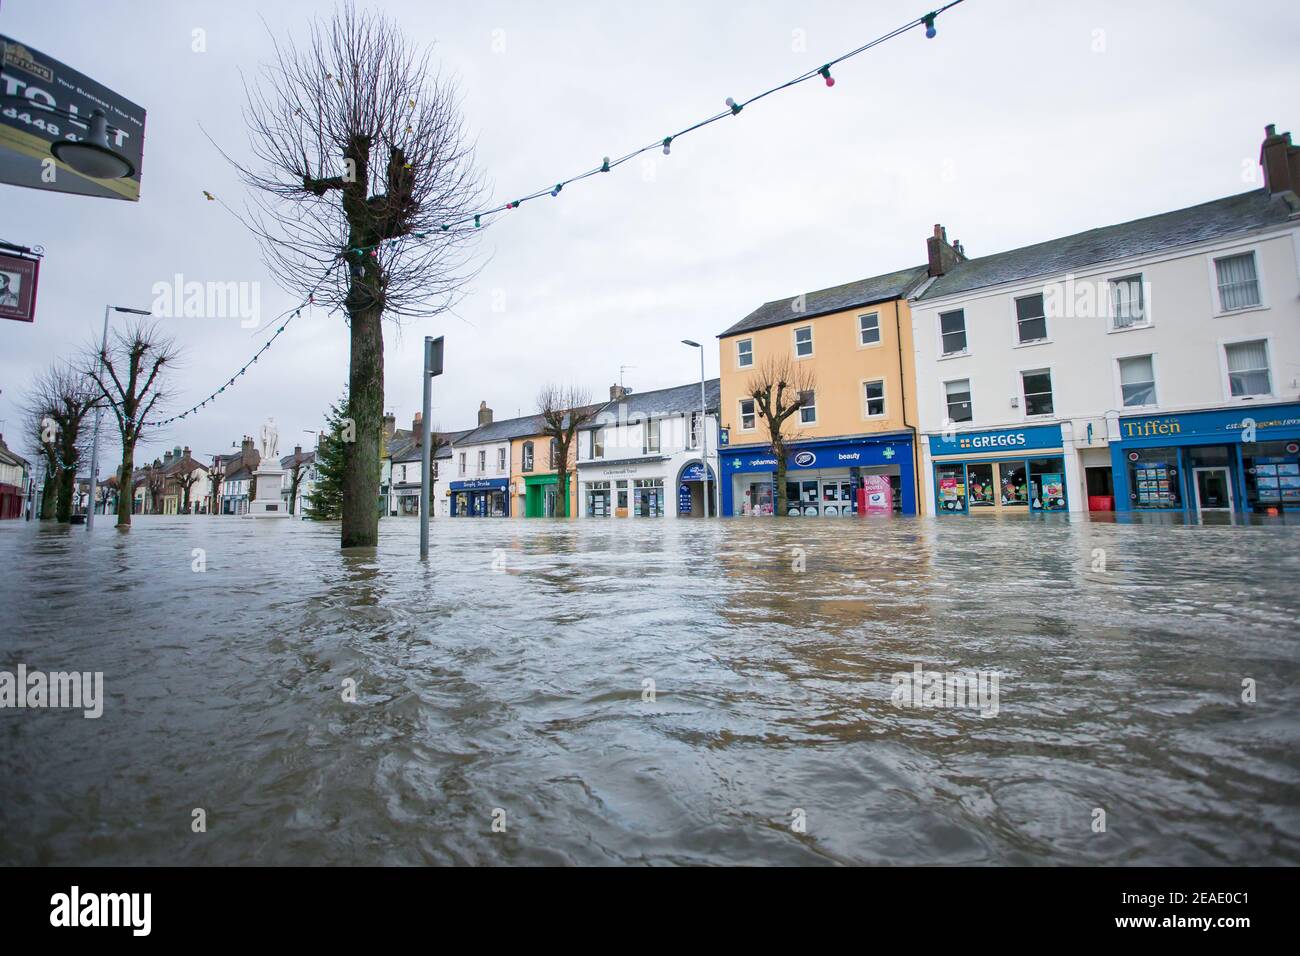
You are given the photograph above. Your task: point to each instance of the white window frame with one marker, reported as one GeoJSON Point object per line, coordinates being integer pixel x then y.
{"type": "Point", "coordinates": [947, 408]}
{"type": "Point", "coordinates": [1015, 322]}
{"type": "Point", "coordinates": [1146, 306]}
{"type": "Point", "coordinates": [1223, 369]}
{"type": "Point", "coordinates": [652, 429]}
{"type": "Point", "coordinates": [463, 464]}
{"type": "Point", "coordinates": [740, 353]}
{"type": "Point", "coordinates": [884, 399]}
{"type": "Point", "coordinates": [482, 461]}
{"type": "Point", "coordinates": [501, 459]}
{"type": "Point", "coordinates": [965, 327]}
{"type": "Point", "coordinates": [802, 408]}
{"type": "Point", "coordinates": [1119, 380]}
{"type": "Point", "coordinates": [794, 337]}
{"type": "Point", "coordinates": [879, 338]}
{"type": "Point", "coordinates": [1213, 269]}
{"type": "Point", "coordinates": [1024, 400]}
{"type": "Point", "coordinates": [740, 406]}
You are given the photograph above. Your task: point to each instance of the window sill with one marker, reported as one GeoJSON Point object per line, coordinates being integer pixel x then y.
{"type": "Point", "coordinates": [869, 345]}
{"type": "Point", "coordinates": [1112, 330]}
{"type": "Point", "coordinates": [1222, 314]}
{"type": "Point", "coordinates": [1031, 344]}
{"type": "Point", "coordinates": [954, 355]}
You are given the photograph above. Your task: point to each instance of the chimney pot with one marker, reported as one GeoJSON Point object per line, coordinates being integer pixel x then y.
{"type": "Point", "coordinates": [484, 414]}
{"type": "Point", "coordinates": [942, 257]}
{"type": "Point", "coordinates": [1280, 162]}
{"type": "Point", "coordinates": [617, 393]}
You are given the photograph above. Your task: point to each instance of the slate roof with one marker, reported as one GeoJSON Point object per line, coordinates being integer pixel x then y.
{"type": "Point", "coordinates": [307, 458]}
{"type": "Point", "coordinates": [504, 430]}
{"type": "Point", "coordinates": [403, 446]}
{"type": "Point", "coordinates": [1231, 215]}
{"type": "Point", "coordinates": [9, 457]}
{"type": "Point", "coordinates": [661, 403]}
{"type": "Point", "coordinates": [882, 288]}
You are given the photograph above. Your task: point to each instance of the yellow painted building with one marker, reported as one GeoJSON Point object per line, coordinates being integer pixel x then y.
{"type": "Point", "coordinates": [534, 477]}
{"type": "Point", "coordinates": [853, 445]}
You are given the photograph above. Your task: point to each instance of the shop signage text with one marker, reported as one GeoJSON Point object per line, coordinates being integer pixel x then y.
{"type": "Point", "coordinates": [1008, 439]}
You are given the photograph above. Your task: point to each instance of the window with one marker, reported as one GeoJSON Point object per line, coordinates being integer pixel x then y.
{"type": "Point", "coordinates": [696, 419]}
{"type": "Point", "coordinates": [1137, 380]}
{"type": "Point", "coordinates": [598, 442]}
{"type": "Point", "coordinates": [553, 455]}
{"type": "Point", "coordinates": [1248, 368]}
{"type": "Point", "coordinates": [526, 457]}
{"type": "Point", "coordinates": [501, 459]}
{"type": "Point", "coordinates": [745, 353]}
{"type": "Point", "coordinates": [651, 443]}
{"type": "Point", "coordinates": [874, 394]}
{"type": "Point", "coordinates": [957, 395]}
{"type": "Point", "coordinates": [952, 328]}
{"type": "Point", "coordinates": [808, 407]}
{"type": "Point", "coordinates": [747, 417]}
{"type": "Point", "coordinates": [1238, 282]}
{"type": "Point", "coordinates": [869, 329]}
{"type": "Point", "coordinates": [482, 460]}
{"type": "Point", "coordinates": [1127, 305]}
{"type": "Point", "coordinates": [403, 478]}
{"type": "Point", "coordinates": [1031, 321]}
{"type": "Point", "coordinates": [1037, 386]}
{"type": "Point", "coordinates": [462, 463]}
{"type": "Point", "coordinates": [433, 472]}
{"type": "Point", "coordinates": [803, 342]}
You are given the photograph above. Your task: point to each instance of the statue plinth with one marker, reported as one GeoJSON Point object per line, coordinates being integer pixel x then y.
{"type": "Point", "coordinates": [268, 480]}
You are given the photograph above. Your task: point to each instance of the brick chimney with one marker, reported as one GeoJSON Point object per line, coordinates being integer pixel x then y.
{"type": "Point", "coordinates": [390, 425]}
{"type": "Point", "coordinates": [1280, 161]}
{"type": "Point", "coordinates": [297, 452]}
{"type": "Point", "coordinates": [185, 452]}
{"type": "Point", "coordinates": [416, 425]}
{"type": "Point", "coordinates": [941, 255]}
{"type": "Point", "coordinates": [246, 445]}
{"type": "Point", "coordinates": [167, 460]}
{"type": "Point", "coordinates": [484, 414]}
{"type": "Point", "coordinates": [617, 393]}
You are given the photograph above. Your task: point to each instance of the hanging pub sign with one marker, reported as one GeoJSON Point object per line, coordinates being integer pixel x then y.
{"type": "Point", "coordinates": [18, 287]}
{"type": "Point", "coordinates": [31, 80]}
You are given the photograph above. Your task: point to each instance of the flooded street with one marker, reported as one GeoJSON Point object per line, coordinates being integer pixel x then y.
{"type": "Point", "coordinates": [507, 680]}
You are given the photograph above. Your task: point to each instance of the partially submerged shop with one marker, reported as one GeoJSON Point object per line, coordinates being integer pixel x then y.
{"type": "Point", "coordinates": [693, 490]}
{"type": "Point", "coordinates": [836, 478]}
{"type": "Point", "coordinates": [1008, 471]}
{"type": "Point", "coordinates": [630, 488]}
{"type": "Point", "coordinates": [1245, 461]}
{"type": "Point", "coordinates": [480, 498]}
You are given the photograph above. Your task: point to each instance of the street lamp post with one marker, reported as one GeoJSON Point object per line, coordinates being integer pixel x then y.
{"type": "Point", "coordinates": [704, 428]}
{"type": "Point", "coordinates": [99, 413]}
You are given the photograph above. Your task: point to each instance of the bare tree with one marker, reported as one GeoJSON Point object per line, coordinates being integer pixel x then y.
{"type": "Point", "coordinates": [564, 410]}
{"type": "Point", "coordinates": [359, 146]}
{"type": "Point", "coordinates": [155, 483]}
{"type": "Point", "coordinates": [58, 402]}
{"type": "Point", "coordinates": [185, 480]}
{"type": "Point", "coordinates": [131, 377]}
{"type": "Point", "coordinates": [779, 388]}
{"type": "Point", "coordinates": [41, 435]}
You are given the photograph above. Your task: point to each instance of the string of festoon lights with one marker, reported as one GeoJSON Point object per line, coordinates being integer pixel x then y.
{"type": "Point", "coordinates": [733, 109]}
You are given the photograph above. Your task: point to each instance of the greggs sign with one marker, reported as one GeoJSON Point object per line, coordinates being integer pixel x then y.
{"type": "Point", "coordinates": [1006, 439]}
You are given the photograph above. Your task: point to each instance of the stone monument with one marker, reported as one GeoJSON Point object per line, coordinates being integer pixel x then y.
{"type": "Point", "coordinates": [269, 478]}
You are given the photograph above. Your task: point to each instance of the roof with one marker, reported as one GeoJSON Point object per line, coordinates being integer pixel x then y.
{"type": "Point", "coordinates": [404, 447]}
{"type": "Point", "coordinates": [1229, 216]}
{"type": "Point", "coordinates": [8, 457]}
{"type": "Point", "coordinates": [504, 430]}
{"type": "Point", "coordinates": [243, 474]}
{"type": "Point", "coordinates": [307, 458]}
{"type": "Point", "coordinates": [882, 288]}
{"type": "Point", "coordinates": [661, 403]}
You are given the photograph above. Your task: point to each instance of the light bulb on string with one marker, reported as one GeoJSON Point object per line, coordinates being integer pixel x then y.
{"type": "Point", "coordinates": [734, 106]}
{"type": "Point", "coordinates": [668, 142]}
{"type": "Point", "coordinates": [556, 190]}
{"type": "Point", "coordinates": [826, 74]}
{"type": "Point", "coordinates": [930, 31]}
{"type": "Point", "coordinates": [604, 165]}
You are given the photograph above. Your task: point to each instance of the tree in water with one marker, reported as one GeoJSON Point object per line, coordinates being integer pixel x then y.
{"type": "Point", "coordinates": [779, 389]}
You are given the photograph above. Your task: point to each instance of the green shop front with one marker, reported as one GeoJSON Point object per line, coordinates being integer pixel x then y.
{"type": "Point", "coordinates": [541, 496]}
{"type": "Point", "coordinates": [1244, 460]}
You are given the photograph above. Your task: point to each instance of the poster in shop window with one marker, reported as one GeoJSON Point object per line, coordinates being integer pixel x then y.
{"type": "Point", "coordinates": [879, 495]}
{"type": "Point", "coordinates": [1053, 491]}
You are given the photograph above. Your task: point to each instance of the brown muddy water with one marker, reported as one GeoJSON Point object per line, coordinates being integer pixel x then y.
{"type": "Point", "coordinates": [506, 680]}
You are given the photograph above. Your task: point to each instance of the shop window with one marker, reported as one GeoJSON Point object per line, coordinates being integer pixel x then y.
{"type": "Point", "coordinates": [874, 397]}
{"type": "Point", "coordinates": [1037, 387]}
{"type": "Point", "coordinates": [1248, 368]}
{"type": "Point", "coordinates": [598, 499]}
{"type": "Point", "coordinates": [808, 407]}
{"type": "Point", "coordinates": [1238, 282]}
{"type": "Point", "coordinates": [803, 342]}
{"type": "Point", "coordinates": [757, 499]}
{"type": "Point", "coordinates": [950, 486]}
{"type": "Point", "coordinates": [980, 479]}
{"type": "Point", "coordinates": [869, 329]}
{"type": "Point", "coordinates": [526, 463]}
{"type": "Point", "coordinates": [1015, 484]}
{"type": "Point", "coordinates": [1127, 303]}
{"type": "Point", "coordinates": [747, 417]}
{"type": "Point", "coordinates": [952, 328]}
{"type": "Point", "coordinates": [1031, 320]}
{"type": "Point", "coordinates": [1273, 478]}
{"type": "Point", "coordinates": [622, 495]}
{"type": "Point", "coordinates": [1153, 478]}
{"type": "Point", "coordinates": [1137, 380]}
{"type": "Point", "coordinates": [1047, 484]}
{"type": "Point", "coordinates": [745, 353]}
{"type": "Point", "coordinates": [958, 398]}
{"type": "Point", "coordinates": [648, 498]}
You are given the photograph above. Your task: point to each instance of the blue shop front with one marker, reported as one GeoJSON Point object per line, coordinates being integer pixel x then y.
{"type": "Point", "coordinates": [1005, 471]}
{"type": "Point", "coordinates": [831, 478]}
{"type": "Point", "coordinates": [1244, 460]}
{"type": "Point", "coordinates": [480, 498]}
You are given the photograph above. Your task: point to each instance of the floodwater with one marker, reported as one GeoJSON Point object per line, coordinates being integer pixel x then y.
{"type": "Point", "coordinates": [505, 681]}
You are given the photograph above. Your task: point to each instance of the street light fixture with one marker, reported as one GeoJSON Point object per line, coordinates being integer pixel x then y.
{"type": "Point", "coordinates": [90, 155]}
{"type": "Point", "coordinates": [99, 413]}
{"type": "Point", "coordinates": [704, 428]}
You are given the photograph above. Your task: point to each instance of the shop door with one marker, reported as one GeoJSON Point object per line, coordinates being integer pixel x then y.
{"type": "Point", "coordinates": [1213, 489]}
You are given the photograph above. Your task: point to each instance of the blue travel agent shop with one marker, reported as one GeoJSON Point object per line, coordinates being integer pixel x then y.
{"type": "Point", "coordinates": [480, 498]}
{"type": "Point", "coordinates": [836, 478]}
{"type": "Point", "coordinates": [1007, 471]}
{"type": "Point", "coordinates": [1245, 461]}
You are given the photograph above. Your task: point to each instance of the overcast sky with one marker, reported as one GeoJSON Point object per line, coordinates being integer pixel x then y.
{"type": "Point", "coordinates": [1021, 121]}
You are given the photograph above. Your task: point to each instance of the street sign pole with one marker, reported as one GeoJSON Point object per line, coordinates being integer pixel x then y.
{"type": "Point", "coordinates": [432, 367]}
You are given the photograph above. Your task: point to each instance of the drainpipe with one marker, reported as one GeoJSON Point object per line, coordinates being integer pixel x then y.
{"type": "Point", "coordinates": [902, 391]}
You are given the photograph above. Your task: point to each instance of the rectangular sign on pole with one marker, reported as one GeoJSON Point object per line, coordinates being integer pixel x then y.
{"type": "Point", "coordinates": [29, 80]}
{"type": "Point", "coordinates": [18, 287]}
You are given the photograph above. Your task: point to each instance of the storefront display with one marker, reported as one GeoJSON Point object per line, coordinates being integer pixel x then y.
{"type": "Point", "coordinates": [648, 498]}
{"type": "Point", "coordinates": [480, 498]}
{"type": "Point", "coordinates": [993, 472]}
{"type": "Point", "coordinates": [598, 499]}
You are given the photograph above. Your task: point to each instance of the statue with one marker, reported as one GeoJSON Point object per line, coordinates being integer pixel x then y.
{"type": "Point", "coordinates": [270, 440]}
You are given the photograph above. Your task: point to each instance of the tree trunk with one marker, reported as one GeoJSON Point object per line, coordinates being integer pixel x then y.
{"type": "Point", "coordinates": [125, 493]}
{"type": "Point", "coordinates": [779, 503]}
{"type": "Point", "coordinates": [49, 495]}
{"type": "Point", "coordinates": [67, 486]}
{"type": "Point", "coordinates": [366, 409]}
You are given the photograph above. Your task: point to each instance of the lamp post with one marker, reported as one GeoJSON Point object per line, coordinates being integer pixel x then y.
{"type": "Point", "coordinates": [704, 428]}
{"type": "Point", "coordinates": [99, 413]}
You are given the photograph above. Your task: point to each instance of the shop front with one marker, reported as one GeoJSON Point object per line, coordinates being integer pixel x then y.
{"type": "Point", "coordinates": [480, 498]}
{"type": "Point", "coordinates": [540, 495]}
{"type": "Point", "coordinates": [693, 490]}
{"type": "Point", "coordinates": [632, 488]}
{"type": "Point", "coordinates": [1240, 461]}
{"type": "Point", "coordinates": [836, 478]}
{"type": "Point", "coordinates": [1008, 471]}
